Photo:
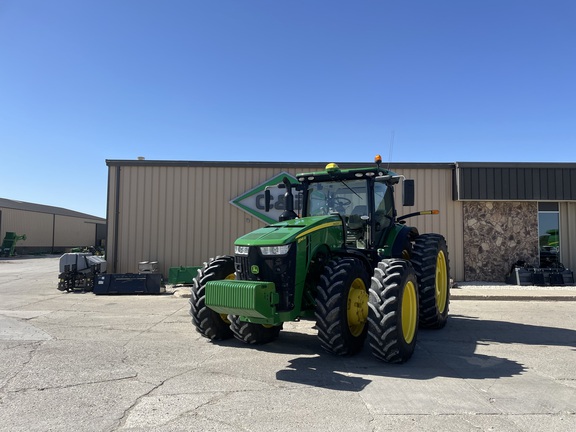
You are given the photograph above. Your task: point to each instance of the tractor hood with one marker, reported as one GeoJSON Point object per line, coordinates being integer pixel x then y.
{"type": "Point", "coordinates": [288, 231]}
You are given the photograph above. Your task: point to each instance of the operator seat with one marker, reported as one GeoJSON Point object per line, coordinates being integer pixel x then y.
{"type": "Point", "coordinates": [355, 234]}
{"type": "Point", "coordinates": [354, 220]}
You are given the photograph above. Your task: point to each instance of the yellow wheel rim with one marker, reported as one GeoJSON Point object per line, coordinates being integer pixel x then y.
{"type": "Point", "coordinates": [224, 316]}
{"type": "Point", "coordinates": [441, 282]}
{"type": "Point", "coordinates": [357, 308]}
{"type": "Point", "coordinates": [409, 312]}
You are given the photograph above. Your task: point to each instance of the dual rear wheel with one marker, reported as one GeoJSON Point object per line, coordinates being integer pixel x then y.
{"type": "Point", "coordinates": [407, 295]}
{"type": "Point", "coordinates": [350, 308]}
{"type": "Point", "coordinates": [402, 296]}
{"type": "Point", "coordinates": [430, 261]}
{"type": "Point", "coordinates": [393, 314]}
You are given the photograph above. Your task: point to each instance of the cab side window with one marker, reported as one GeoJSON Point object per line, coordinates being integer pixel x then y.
{"type": "Point", "coordinates": [383, 203]}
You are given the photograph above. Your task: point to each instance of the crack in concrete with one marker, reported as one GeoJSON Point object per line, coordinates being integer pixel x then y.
{"type": "Point", "coordinates": [124, 416]}
{"type": "Point", "coordinates": [67, 386]}
{"type": "Point", "coordinates": [18, 344]}
{"type": "Point", "coordinates": [31, 356]}
{"type": "Point", "coordinates": [371, 420]}
{"type": "Point", "coordinates": [35, 346]}
{"type": "Point", "coordinates": [42, 300]}
{"type": "Point", "coordinates": [217, 398]}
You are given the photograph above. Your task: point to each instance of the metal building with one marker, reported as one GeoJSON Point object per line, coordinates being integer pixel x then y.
{"type": "Point", "coordinates": [180, 213]}
{"type": "Point", "coordinates": [49, 229]}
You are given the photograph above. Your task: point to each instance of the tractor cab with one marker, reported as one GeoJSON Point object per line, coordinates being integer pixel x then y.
{"type": "Point", "coordinates": [363, 198]}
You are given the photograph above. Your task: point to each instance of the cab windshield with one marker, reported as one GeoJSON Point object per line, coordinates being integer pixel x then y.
{"type": "Point", "coordinates": [344, 197]}
{"type": "Point", "coordinates": [350, 199]}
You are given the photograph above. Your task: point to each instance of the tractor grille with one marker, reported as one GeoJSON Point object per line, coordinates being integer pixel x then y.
{"type": "Point", "coordinates": [278, 269]}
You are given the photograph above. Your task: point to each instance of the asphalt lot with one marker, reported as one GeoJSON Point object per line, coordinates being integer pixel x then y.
{"type": "Point", "coordinates": [81, 362]}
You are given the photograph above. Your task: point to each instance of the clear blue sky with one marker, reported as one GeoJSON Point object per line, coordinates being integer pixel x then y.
{"type": "Point", "coordinates": [82, 81]}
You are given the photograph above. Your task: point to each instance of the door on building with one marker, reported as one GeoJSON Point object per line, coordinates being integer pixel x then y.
{"type": "Point", "coordinates": [549, 234]}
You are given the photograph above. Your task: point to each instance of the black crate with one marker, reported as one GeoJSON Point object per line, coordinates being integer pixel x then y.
{"type": "Point", "coordinates": [540, 277]}
{"type": "Point", "coordinates": [520, 276]}
{"type": "Point", "coordinates": [129, 283]}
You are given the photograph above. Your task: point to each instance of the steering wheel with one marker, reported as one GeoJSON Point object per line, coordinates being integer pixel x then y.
{"type": "Point", "coordinates": [341, 201]}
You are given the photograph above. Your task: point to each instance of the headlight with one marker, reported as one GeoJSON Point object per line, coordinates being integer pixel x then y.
{"type": "Point", "coordinates": [241, 250]}
{"type": "Point", "coordinates": [275, 250]}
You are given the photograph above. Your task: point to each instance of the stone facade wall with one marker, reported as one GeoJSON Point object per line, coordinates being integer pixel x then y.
{"type": "Point", "coordinates": [496, 235]}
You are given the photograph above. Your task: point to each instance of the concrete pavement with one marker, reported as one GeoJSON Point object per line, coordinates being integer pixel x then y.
{"type": "Point", "coordinates": [80, 362]}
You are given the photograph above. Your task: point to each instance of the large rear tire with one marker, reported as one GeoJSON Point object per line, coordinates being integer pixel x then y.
{"type": "Point", "coordinates": [393, 314]}
{"type": "Point", "coordinates": [209, 323]}
{"type": "Point", "coordinates": [430, 261]}
{"type": "Point", "coordinates": [252, 333]}
{"type": "Point", "coordinates": [342, 306]}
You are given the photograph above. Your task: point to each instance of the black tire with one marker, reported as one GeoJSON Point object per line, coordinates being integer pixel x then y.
{"type": "Point", "coordinates": [430, 261]}
{"type": "Point", "coordinates": [342, 306]}
{"type": "Point", "coordinates": [252, 333]}
{"type": "Point", "coordinates": [393, 311]}
{"type": "Point", "coordinates": [208, 323]}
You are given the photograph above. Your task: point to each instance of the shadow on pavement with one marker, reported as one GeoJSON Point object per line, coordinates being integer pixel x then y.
{"type": "Point", "coordinates": [509, 332]}
{"type": "Point", "coordinates": [450, 352]}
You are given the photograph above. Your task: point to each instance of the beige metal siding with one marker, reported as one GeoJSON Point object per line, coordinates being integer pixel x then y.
{"type": "Point", "coordinates": [45, 230]}
{"type": "Point", "coordinates": [433, 191]}
{"type": "Point", "coordinates": [180, 215]}
{"type": "Point", "coordinates": [73, 232]}
{"type": "Point", "coordinates": [36, 226]}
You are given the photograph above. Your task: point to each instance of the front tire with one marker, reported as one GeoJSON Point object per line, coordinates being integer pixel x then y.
{"type": "Point", "coordinates": [252, 333]}
{"type": "Point", "coordinates": [209, 323]}
{"type": "Point", "coordinates": [342, 306]}
{"type": "Point", "coordinates": [430, 261]}
{"type": "Point", "coordinates": [393, 314]}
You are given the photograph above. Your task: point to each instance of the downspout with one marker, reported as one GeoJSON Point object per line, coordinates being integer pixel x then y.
{"type": "Point", "coordinates": [456, 182]}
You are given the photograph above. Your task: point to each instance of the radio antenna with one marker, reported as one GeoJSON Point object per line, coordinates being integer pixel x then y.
{"type": "Point", "coordinates": [391, 146]}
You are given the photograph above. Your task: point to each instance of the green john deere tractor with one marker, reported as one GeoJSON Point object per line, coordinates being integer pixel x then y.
{"type": "Point", "coordinates": [349, 262]}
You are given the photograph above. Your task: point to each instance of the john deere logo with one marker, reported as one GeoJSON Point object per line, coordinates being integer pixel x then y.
{"type": "Point", "coordinates": [255, 269]}
{"type": "Point", "coordinates": [253, 201]}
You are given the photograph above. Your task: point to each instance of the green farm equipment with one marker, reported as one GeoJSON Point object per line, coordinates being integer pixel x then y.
{"type": "Point", "coordinates": [348, 262]}
{"type": "Point", "coordinates": [9, 243]}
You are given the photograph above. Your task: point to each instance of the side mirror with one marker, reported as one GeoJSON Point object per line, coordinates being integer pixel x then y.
{"type": "Point", "coordinates": [408, 192]}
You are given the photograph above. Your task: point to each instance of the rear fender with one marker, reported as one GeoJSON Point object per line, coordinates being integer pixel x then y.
{"type": "Point", "coordinates": [399, 239]}
{"type": "Point", "coordinates": [403, 242]}
{"type": "Point", "coordinates": [367, 259]}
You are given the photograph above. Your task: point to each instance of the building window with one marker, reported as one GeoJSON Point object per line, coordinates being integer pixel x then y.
{"type": "Point", "coordinates": [549, 234]}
